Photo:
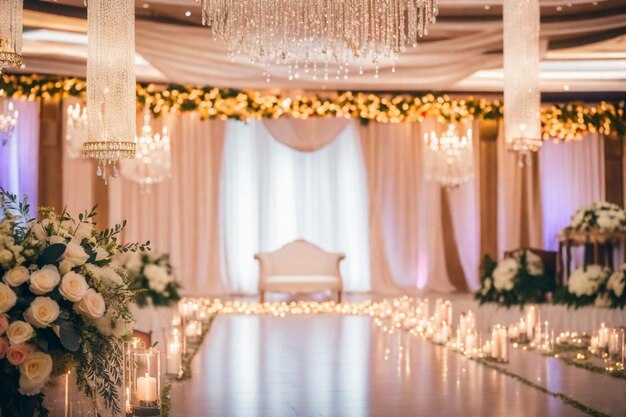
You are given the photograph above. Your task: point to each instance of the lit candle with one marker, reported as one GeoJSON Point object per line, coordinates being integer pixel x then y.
{"type": "Point", "coordinates": [147, 389]}
{"type": "Point", "coordinates": [174, 350]}
{"type": "Point", "coordinates": [504, 344]}
{"type": "Point", "coordinates": [127, 406]}
{"type": "Point", "coordinates": [531, 321]}
{"type": "Point", "coordinates": [603, 336]}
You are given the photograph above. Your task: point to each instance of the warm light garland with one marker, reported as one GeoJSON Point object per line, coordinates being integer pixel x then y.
{"type": "Point", "coordinates": [560, 122]}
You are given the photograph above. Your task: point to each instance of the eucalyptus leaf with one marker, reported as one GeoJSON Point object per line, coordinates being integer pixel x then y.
{"type": "Point", "coordinates": [52, 254]}
{"type": "Point", "coordinates": [68, 335]}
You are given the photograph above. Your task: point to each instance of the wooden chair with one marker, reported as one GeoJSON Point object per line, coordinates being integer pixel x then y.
{"type": "Point", "coordinates": [299, 267]}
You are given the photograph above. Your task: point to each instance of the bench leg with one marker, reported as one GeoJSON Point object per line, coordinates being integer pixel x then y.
{"type": "Point", "coordinates": [339, 296]}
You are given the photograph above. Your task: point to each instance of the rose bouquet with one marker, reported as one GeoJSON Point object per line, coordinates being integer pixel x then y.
{"type": "Point", "coordinates": [516, 280]}
{"type": "Point", "coordinates": [599, 216]}
{"type": "Point", "coordinates": [62, 305]}
{"type": "Point", "coordinates": [585, 286]}
{"type": "Point", "coordinates": [615, 288]}
{"type": "Point", "coordinates": [152, 276]}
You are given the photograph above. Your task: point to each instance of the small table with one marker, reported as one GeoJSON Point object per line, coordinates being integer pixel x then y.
{"type": "Point", "coordinates": [602, 244]}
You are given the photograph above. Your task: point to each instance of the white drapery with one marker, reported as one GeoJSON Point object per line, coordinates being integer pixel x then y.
{"type": "Point", "coordinates": [19, 158]}
{"type": "Point", "coordinates": [272, 194]}
{"type": "Point", "coordinates": [572, 176]}
{"type": "Point", "coordinates": [180, 216]}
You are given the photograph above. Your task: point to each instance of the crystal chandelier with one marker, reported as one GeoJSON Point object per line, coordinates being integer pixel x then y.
{"type": "Point", "coordinates": [75, 129]}
{"type": "Point", "coordinates": [303, 34]}
{"type": "Point", "coordinates": [449, 159]}
{"type": "Point", "coordinates": [152, 163]}
{"type": "Point", "coordinates": [8, 121]}
{"type": "Point", "coordinates": [11, 14]}
{"type": "Point", "coordinates": [111, 97]}
{"type": "Point", "coordinates": [522, 94]}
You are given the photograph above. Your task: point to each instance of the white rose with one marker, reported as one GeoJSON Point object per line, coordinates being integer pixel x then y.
{"type": "Point", "coordinates": [91, 306]}
{"type": "Point", "coordinates": [65, 266]}
{"type": "Point", "coordinates": [73, 287]}
{"type": "Point", "coordinates": [616, 283]}
{"type": "Point", "coordinates": [83, 231]}
{"type": "Point", "coordinates": [133, 263]}
{"type": "Point", "coordinates": [8, 298]}
{"type": "Point", "coordinates": [42, 312]}
{"type": "Point", "coordinates": [505, 273]}
{"type": "Point", "coordinates": [586, 282]}
{"type": "Point", "coordinates": [6, 256]}
{"type": "Point", "coordinates": [75, 253]}
{"type": "Point", "coordinates": [606, 221]}
{"type": "Point", "coordinates": [44, 280]}
{"type": "Point", "coordinates": [56, 240]}
{"type": "Point", "coordinates": [34, 373]}
{"type": "Point", "coordinates": [20, 332]}
{"type": "Point", "coordinates": [38, 229]}
{"type": "Point", "coordinates": [156, 273]}
{"type": "Point", "coordinates": [16, 276]}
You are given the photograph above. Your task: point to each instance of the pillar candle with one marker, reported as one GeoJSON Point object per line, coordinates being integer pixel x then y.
{"type": "Point", "coordinates": [174, 350]}
{"type": "Point", "coordinates": [147, 389]}
{"type": "Point", "coordinates": [504, 344]}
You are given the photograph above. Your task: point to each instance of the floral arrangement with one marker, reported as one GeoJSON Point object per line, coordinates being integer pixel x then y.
{"type": "Point", "coordinates": [62, 305]}
{"type": "Point", "coordinates": [599, 216]}
{"type": "Point", "coordinates": [585, 286]}
{"type": "Point", "coordinates": [153, 276]}
{"type": "Point", "coordinates": [516, 280]}
{"type": "Point", "coordinates": [567, 121]}
{"type": "Point", "coordinates": [615, 288]}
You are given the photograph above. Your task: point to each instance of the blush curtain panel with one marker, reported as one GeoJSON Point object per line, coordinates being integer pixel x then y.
{"type": "Point", "coordinates": [19, 158]}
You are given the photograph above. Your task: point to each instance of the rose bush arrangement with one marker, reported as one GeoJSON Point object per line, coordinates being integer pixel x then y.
{"type": "Point", "coordinates": [516, 280]}
{"type": "Point", "coordinates": [599, 216]}
{"type": "Point", "coordinates": [63, 304]}
{"type": "Point", "coordinates": [152, 276]}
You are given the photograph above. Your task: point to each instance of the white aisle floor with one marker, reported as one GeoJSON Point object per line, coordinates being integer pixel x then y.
{"type": "Point", "coordinates": [344, 366]}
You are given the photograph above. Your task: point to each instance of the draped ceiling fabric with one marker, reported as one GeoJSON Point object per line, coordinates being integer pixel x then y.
{"type": "Point", "coordinates": [19, 158]}
{"type": "Point", "coordinates": [305, 135]}
{"type": "Point", "coordinates": [180, 216]}
{"type": "Point", "coordinates": [453, 51]}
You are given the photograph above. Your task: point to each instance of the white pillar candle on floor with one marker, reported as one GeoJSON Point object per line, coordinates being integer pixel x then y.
{"type": "Point", "coordinates": [174, 352]}
{"type": "Point", "coordinates": [147, 388]}
{"type": "Point", "coordinates": [503, 340]}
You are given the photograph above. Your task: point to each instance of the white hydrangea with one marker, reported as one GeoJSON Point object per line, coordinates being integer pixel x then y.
{"type": "Point", "coordinates": [534, 264]}
{"type": "Point", "coordinates": [158, 277]}
{"type": "Point", "coordinates": [586, 281]}
{"type": "Point", "coordinates": [602, 216]}
{"type": "Point", "coordinates": [617, 281]}
{"type": "Point", "coordinates": [505, 273]}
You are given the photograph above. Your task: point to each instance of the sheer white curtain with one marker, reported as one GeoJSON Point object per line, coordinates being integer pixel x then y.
{"type": "Point", "coordinates": [571, 175]}
{"type": "Point", "coordinates": [272, 194]}
{"type": "Point", "coordinates": [19, 158]}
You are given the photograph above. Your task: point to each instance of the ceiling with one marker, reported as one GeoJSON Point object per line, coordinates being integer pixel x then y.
{"type": "Point", "coordinates": [583, 44]}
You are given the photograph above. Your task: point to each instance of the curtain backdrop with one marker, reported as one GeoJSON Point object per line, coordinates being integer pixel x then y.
{"type": "Point", "coordinates": [572, 175]}
{"type": "Point", "coordinates": [272, 194]}
{"type": "Point", "coordinates": [420, 233]}
{"type": "Point", "coordinates": [180, 216]}
{"type": "Point", "coordinates": [19, 158]}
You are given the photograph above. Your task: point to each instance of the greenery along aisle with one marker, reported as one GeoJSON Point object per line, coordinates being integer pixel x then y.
{"type": "Point", "coordinates": [62, 305]}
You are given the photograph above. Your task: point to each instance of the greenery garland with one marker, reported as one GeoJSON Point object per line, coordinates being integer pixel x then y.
{"type": "Point", "coordinates": [569, 121]}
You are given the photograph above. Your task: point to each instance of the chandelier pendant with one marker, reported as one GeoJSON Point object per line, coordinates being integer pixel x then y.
{"type": "Point", "coordinates": [449, 158]}
{"type": "Point", "coordinates": [11, 18]}
{"type": "Point", "coordinates": [522, 92]}
{"type": "Point", "coordinates": [153, 162]}
{"type": "Point", "coordinates": [75, 129]}
{"type": "Point", "coordinates": [111, 99]}
{"type": "Point", "coordinates": [303, 34]}
{"type": "Point", "coordinates": [8, 121]}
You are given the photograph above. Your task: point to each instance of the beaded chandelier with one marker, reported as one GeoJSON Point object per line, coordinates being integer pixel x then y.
{"type": "Point", "coordinates": [111, 99]}
{"type": "Point", "coordinates": [522, 94]}
{"type": "Point", "coordinates": [11, 14]}
{"type": "Point", "coordinates": [312, 33]}
{"type": "Point", "coordinates": [449, 158]}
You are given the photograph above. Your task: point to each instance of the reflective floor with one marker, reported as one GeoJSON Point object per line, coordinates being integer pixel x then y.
{"type": "Point", "coordinates": [329, 366]}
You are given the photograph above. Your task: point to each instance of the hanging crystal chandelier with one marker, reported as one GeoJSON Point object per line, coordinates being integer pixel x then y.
{"type": "Point", "coordinates": [522, 93]}
{"type": "Point", "coordinates": [305, 34]}
{"type": "Point", "coordinates": [75, 129]}
{"type": "Point", "coordinates": [111, 101]}
{"type": "Point", "coordinates": [153, 162]}
{"type": "Point", "coordinates": [449, 159]}
{"type": "Point", "coordinates": [8, 121]}
{"type": "Point", "coordinates": [11, 15]}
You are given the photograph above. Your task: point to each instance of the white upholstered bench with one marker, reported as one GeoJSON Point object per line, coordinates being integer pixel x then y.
{"type": "Point", "coordinates": [299, 267]}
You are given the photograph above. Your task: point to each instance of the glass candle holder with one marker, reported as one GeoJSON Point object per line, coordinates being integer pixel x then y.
{"type": "Point", "coordinates": [174, 353]}
{"type": "Point", "coordinates": [145, 387]}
